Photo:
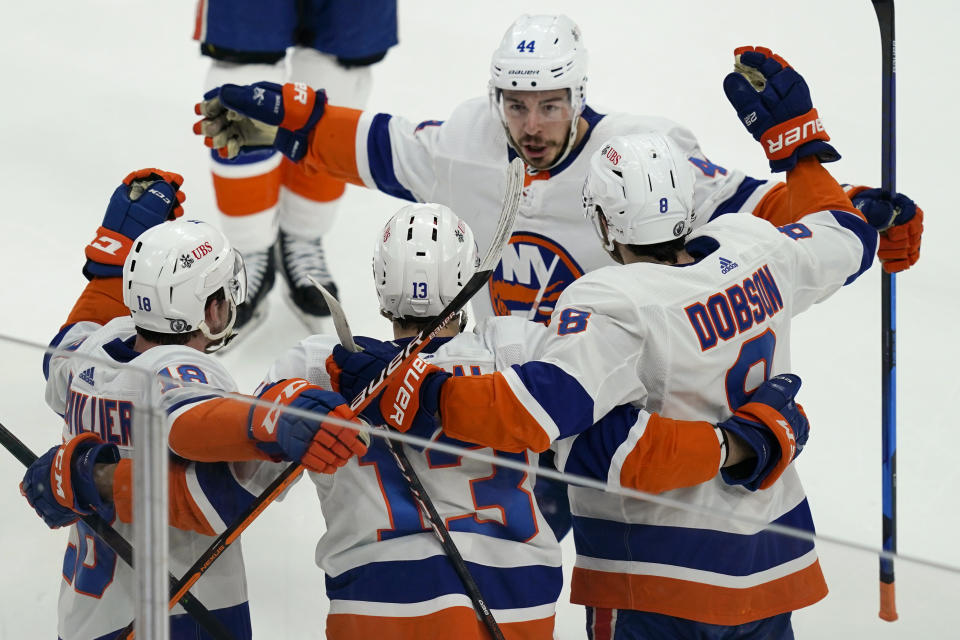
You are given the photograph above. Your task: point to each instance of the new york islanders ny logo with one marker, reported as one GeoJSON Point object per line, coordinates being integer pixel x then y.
{"type": "Point", "coordinates": [532, 273]}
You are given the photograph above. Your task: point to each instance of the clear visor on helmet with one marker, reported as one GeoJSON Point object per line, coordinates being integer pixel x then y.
{"type": "Point", "coordinates": [238, 283]}
{"type": "Point", "coordinates": [594, 213]}
{"type": "Point", "coordinates": [521, 107]}
{"type": "Point", "coordinates": [235, 284]}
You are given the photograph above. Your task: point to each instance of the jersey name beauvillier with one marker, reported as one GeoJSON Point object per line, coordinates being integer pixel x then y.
{"type": "Point", "coordinates": [99, 389]}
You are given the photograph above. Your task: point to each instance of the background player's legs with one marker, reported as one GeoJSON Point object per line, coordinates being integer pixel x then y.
{"type": "Point", "coordinates": [247, 193]}
{"type": "Point", "coordinates": [247, 43]}
{"type": "Point", "coordinates": [308, 203]}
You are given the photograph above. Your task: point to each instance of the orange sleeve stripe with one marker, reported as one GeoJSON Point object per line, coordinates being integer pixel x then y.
{"type": "Point", "coordinates": [484, 410]}
{"type": "Point", "coordinates": [456, 622]}
{"type": "Point", "coordinates": [214, 431]}
{"type": "Point", "coordinates": [809, 188]}
{"type": "Point", "coordinates": [100, 302]}
{"type": "Point", "coordinates": [319, 186]}
{"type": "Point", "coordinates": [333, 144]}
{"type": "Point", "coordinates": [246, 196]}
{"type": "Point", "coordinates": [672, 454]}
{"type": "Point", "coordinates": [695, 600]}
{"type": "Point", "coordinates": [184, 512]}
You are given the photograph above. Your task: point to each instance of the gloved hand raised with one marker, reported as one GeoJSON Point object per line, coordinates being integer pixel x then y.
{"type": "Point", "coordinates": [60, 486]}
{"type": "Point", "coordinates": [899, 221]}
{"type": "Point", "coordinates": [145, 199]}
{"type": "Point", "coordinates": [773, 426]}
{"type": "Point", "coordinates": [317, 444]}
{"type": "Point", "coordinates": [773, 102]}
{"type": "Point", "coordinates": [260, 115]}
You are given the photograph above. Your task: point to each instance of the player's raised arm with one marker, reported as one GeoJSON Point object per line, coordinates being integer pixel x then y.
{"type": "Point", "coordinates": [773, 101]}
{"type": "Point", "coordinates": [144, 199]}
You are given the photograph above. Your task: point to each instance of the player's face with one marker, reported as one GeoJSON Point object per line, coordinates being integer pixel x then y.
{"type": "Point", "coordinates": [539, 123]}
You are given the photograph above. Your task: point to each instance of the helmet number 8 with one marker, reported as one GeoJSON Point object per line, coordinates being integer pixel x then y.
{"type": "Point", "coordinates": [664, 205]}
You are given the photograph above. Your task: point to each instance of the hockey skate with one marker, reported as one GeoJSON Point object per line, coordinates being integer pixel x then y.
{"type": "Point", "coordinates": [300, 260]}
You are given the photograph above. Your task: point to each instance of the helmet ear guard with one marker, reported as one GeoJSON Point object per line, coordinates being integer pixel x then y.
{"type": "Point", "coordinates": [639, 190]}
{"type": "Point", "coordinates": [540, 53]}
{"type": "Point", "coordinates": [171, 272]}
{"type": "Point", "coordinates": [423, 257]}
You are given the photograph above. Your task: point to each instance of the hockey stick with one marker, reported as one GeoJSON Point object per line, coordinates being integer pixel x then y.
{"type": "Point", "coordinates": [888, 304]}
{"type": "Point", "coordinates": [417, 490]}
{"type": "Point", "coordinates": [113, 539]}
{"type": "Point", "coordinates": [508, 213]}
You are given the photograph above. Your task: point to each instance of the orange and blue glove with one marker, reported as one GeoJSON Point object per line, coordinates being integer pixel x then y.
{"type": "Point", "coordinates": [409, 401]}
{"type": "Point", "coordinates": [59, 485]}
{"type": "Point", "coordinates": [773, 102]}
{"type": "Point", "coordinates": [260, 115]}
{"type": "Point", "coordinates": [316, 443]}
{"type": "Point", "coordinates": [146, 198]}
{"type": "Point", "coordinates": [899, 221]}
{"type": "Point", "coordinates": [774, 427]}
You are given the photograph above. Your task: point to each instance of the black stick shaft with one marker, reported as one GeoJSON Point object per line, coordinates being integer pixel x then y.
{"type": "Point", "coordinates": [888, 302]}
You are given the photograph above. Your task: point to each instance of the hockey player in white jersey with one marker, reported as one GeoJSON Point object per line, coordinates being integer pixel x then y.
{"type": "Point", "coordinates": [689, 325]}
{"type": "Point", "coordinates": [537, 108]}
{"type": "Point", "coordinates": [386, 576]}
{"type": "Point", "coordinates": [163, 292]}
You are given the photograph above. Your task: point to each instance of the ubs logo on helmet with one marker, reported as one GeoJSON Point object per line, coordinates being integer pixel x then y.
{"type": "Point", "coordinates": [610, 154]}
{"type": "Point", "coordinates": [532, 273]}
{"type": "Point", "coordinates": [202, 250]}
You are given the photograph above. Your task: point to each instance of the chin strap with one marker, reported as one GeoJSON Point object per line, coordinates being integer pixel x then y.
{"type": "Point", "coordinates": [222, 339]}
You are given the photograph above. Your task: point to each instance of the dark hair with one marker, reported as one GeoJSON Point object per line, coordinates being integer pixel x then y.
{"type": "Point", "coordinates": [661, 252]}
{"type": "Point", "coordinates": [408, 323]}
{"type": "Point", "coordinates": [180, 338]}
{"type": "Point", "coordinates": [419, 324]}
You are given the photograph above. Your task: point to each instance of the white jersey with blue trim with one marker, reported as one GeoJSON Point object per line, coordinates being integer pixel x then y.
{"type": "Point", "coordinates": [461, 162]}
{"type": "Point", "coordinates": [100, 388]}
{"type": "Point", "coordinates": [379, 558]}
{"type": "Point", "coordinates": [691, 342]}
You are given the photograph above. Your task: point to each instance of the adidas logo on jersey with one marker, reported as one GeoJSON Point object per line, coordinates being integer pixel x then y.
{"type": "Point", "coordinates": [727, 265]}
{"type": "Point", "coordinates": [87, 376]}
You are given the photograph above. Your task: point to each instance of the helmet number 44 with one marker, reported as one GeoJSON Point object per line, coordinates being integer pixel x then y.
{"type": "Point", "coordinates": [525, 46]}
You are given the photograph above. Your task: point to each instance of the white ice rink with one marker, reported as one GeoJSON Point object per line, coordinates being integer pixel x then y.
{"type": "Point", "coordinates": [96, 88]}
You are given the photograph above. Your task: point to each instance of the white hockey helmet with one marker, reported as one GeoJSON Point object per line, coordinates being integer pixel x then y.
{"type": "Point", "coordinates": [423, 257]}
{"type": "Point", "coordinates": [642, 185]}
{"type": "Point", "coordinates": [171, 271]}
{"type": "Point", "coordinates": [541, 53]}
